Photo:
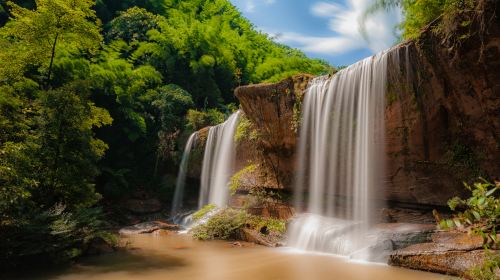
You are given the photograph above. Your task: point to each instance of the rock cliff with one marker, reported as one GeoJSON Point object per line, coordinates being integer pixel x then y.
{"type": "Point", "coordinates": [442, 113]}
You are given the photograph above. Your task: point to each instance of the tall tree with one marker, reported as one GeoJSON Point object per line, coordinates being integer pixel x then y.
{"type": "Point", "coordinates": [30, 40]}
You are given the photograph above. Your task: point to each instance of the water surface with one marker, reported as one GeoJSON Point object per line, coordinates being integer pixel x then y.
{"type": "Point", "coordinates": [178, 257]}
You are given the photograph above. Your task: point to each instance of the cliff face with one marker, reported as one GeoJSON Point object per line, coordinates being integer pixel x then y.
{"type": "Point", "coordinates": [442, 113]}
{"type": "Point", "coordinates": [273, 111]}
{"type": "Point", "coordinates": [443, 108]}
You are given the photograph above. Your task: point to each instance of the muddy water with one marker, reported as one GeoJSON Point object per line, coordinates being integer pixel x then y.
{"type": "Point", "coordinates": [177, 257]}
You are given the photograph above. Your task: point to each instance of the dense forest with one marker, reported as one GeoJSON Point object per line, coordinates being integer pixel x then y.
{"type": "Point", "coordinates": [97, 98]}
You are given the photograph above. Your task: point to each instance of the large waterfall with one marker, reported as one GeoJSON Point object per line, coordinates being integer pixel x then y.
{"type": "Point", "coordinates": [181, 177]}
{"type": "Point", "coordinates": [218, 163]}
{"type": "Point", "coordinates": [341, 158]}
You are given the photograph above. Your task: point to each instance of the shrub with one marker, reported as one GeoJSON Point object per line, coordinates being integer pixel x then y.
{"type": "Point", "coordinates": [223, 225]}
{"type": "Point", "coordinates": [51, 237]}
{"type": "Point", "coordinates": [227, 224]}
{"type": "Point", "coordinates": [197, 120]}
{"type": "Point", "coordinates": [270, 225]}
{"type": "Point", "coordinates": [481, 211]}
{"type": "Point", "coordinates": [246, 131]}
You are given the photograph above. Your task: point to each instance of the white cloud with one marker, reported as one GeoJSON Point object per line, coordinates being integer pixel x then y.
{"type": "Point", "coordinates": [251, 5]}
{"type": "Point", "coordinates": [343, 21]}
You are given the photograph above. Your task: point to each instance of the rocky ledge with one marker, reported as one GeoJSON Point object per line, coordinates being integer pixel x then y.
{"type": "Point", "coordinates": [148, 227]}
{"type": "Point", "coordinates": [452, 253]}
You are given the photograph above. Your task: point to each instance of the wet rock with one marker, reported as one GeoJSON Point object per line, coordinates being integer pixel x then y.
{"type": "Point", "coordinates": [392, 236]}
{"type": "Point", "coordinates": [250, 235]}
{"type": "Point", "coordinates": [273, 210]}
{"type": "Point", "coordinates": [404, 234]}
{"type": "Point", "coordinates": [148, 227]}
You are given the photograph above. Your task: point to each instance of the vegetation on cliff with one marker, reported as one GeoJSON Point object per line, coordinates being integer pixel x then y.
{"type": "Point", "coordinates": [418, 14]}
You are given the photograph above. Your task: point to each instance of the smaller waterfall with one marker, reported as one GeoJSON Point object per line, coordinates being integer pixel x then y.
{"type": "Point", "coordinates": [218, 163]}
{"type": "Point", "coordinates": [181, 177]}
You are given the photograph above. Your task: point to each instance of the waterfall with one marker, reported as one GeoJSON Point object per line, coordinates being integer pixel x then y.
{"type": "Point", "coordinates": [218, 163]}
{"type": "Point", "coordinates": [340, 158]}
{"type": "Point", "coordinates": [181, 176]}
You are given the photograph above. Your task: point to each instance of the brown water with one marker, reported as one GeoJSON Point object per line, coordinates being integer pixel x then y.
{"type": "Point", "coordinates": [178, 257]}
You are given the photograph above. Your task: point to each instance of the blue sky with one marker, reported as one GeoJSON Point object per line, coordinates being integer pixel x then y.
{"type": "Point", "coordinates": [325, 29]}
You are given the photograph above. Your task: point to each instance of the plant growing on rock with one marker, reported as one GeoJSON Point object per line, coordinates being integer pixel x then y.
{"type": "Point", "coordinates": [203, 211]}
{"type": "Point", "coordinates": [229, 223]}
{"type": "Point", "coordinates": [481, 212]}
{"type": "Point", "coordinates": [236, 180]}
{"type": "Point", "coordinates": [223, 225]}
{"type": "Point", "coordinates": [488, 269]}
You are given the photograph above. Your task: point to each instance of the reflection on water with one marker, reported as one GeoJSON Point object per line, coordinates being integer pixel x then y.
{"type": "Point", "coordinates": [177, 257]}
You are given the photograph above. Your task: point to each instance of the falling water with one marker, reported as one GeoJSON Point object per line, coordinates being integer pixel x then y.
{"type": "Point", "coordinates": [181, 176]}
{"type": "Point", "coordinates": [341, 160]}
{"type": "Point", "coordinates": [218, 162]}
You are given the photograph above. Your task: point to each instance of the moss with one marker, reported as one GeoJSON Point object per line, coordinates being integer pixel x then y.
{"type": "Point", "coordinates": [203, 211]}
{"type": "Point", "coordinates": [391, 97]}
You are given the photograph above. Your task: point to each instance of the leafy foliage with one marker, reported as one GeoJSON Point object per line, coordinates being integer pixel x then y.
{"type": "Point", "coordinates": [223, 225]}
{"type": "Point", "coordinates": [227, 223]}
{"type": "Point", "coordinates": [197, 120]}
{"type": "Point", "coordinates": [419, 13]}
{"type": "Point", "coordinates": [245, 130]}
{"type": "Point", "coordinates": [488, 269]}
{"type": "Point", "coordinates": [481, 211]}
{"type": "Point", "coordinates": [32, 37]}
{"type": "Point", "coordinates": [52, 236]}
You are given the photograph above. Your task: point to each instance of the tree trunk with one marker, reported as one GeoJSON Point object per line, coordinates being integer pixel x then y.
{"type": "Point", "coordinates": [47, 82]}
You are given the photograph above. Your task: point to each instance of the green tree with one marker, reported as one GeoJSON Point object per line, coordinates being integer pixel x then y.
{"type": "Point", "coordinates": [69, 151]}
{"type": "Point", "coordinates": [30, 40]}
{"type": "Point", "coordinates": [417, 13]}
